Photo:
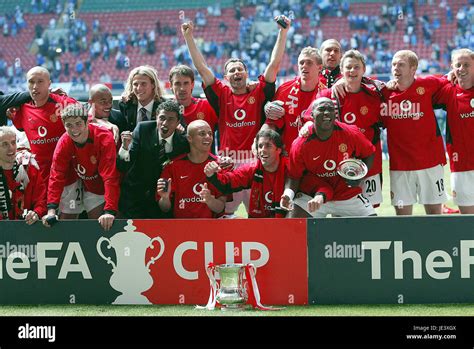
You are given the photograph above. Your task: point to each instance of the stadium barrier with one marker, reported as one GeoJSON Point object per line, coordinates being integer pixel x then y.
{"type": "Point", "coordinates": [299, 261]}
{"type": "Point", "coordinates": [391, 260]}
{"type": "Point", "coordinates": [148, 261]}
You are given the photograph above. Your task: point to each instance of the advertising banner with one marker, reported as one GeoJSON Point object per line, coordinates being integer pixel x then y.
{"type": "Point", "coordinates": [391, 260]}
{"type": "Point", "coordinates": [148, 261]}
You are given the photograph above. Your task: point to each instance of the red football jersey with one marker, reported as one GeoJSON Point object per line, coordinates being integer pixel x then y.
{"type": "Point", "coordinates": [94, 164]}
{"type": "Point", "coordinates": [413, 137]}
{"type": "Point", "coordinates": [34, 195]}
{"type": "Point", "coordinates": [320, 158]}
{"type": "Point", "coordinates": [460, 125]}
{"type": "Point", "coordinates": [43, 128]}
{"type": "Point", "coordinates": [187, 180]}
{"type": "Point", "coordinates": [200, 109]}
{"type": "Point", "coordinates": [296, 102]}
{"type": "Point", "coordinates": [362, 109]}
{"type": "Point", "coordinates": [240, 116]}
{"type": "Point", "coordinates": [243, 178]}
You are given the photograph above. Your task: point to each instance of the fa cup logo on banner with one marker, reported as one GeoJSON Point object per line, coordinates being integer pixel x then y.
{"type": "Point", "coordinates": [130, 248]}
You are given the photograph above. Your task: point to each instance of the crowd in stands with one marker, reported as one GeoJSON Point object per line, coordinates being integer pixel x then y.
{"type": "Point", "coordinates": [368, 36]}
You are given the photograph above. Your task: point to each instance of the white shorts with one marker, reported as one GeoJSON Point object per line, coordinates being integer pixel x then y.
{"type": "Point", "coordinates": [372, 189]}
{"type": "Point", "coordinates": [423, 186]}
{"type": "Point", "coordinates": [353, 207]}
{"type": "Point", "coordinates": [74, 199]}
{"type": "Point", "coordinates": [462, 185]}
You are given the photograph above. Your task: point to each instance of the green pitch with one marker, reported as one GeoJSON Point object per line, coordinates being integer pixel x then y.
{"type": "Point", "coordinates": [187, 310]}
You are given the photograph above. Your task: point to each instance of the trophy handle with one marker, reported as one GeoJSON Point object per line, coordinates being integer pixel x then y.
{"type": "Point", "coordinates": [99, 250]}
{"type": "Point", "coordinates": [162, 249]}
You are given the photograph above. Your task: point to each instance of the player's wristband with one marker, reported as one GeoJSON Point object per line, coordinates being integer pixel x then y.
{"type": "Point", "coordinates": [290, 193]}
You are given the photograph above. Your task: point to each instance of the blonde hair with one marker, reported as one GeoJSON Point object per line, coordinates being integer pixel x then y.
{"type": "Point", "coordinates": [7, 130]}
{"type": "Point", "coordinates": [313, 53]}
{"type": "Point", "coordinates": [146, 70]}
{"type": "Point", "coordinates": [462, 52]}
{"type": "Point", "coordinates": [411, 57]}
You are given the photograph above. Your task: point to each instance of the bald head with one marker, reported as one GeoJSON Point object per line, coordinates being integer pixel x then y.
{"type": "Point", "coordinates": [38, 70]}
{"type": "Point", "coordinates": [98, 88]}
{"type": "Point", "coordinates": [39, 82]}
{"type": "Point", "coordinates": [200, 137]}
{"type": "Point", "coordinates": [196, 125]}
{"type": "Point", "coordinates": [100, 100]}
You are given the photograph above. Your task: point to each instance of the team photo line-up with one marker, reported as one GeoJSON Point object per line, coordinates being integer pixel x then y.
{"type": "Point", "coordinates": [310, 147]}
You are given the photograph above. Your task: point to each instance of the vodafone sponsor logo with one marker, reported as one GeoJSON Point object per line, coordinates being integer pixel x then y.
{"type": "Point", "coordinates": [197, 188]}
{"type": "Point", "coordinates": [268, 200]}
{"type": "Point", "coordinates": [81, 173]}
{"type": "Point", "coordinates": [298, 121]}
{"type": "Point", "coordinates": [406, 105]}
{"type": "Point", "coordinates": [240, 115]}
{"type": "Point", "coordinates": [42, 131]}
{"type": "Point", "coordinates": [349, 118]}
{"type": "Point", "coordinates": [467, 115]}
{"type": "Point", "coordinates": [329, 165]}
{"type": "Point", "coordinates": [405, 109]}
{"type": "Point", "coordinates": [80, 169]}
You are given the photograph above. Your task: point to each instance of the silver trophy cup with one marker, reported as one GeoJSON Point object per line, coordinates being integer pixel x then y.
{"type": "Point", "coordinates": [231, 294]}
{"type": "Point", "coordinates": [353, 169]}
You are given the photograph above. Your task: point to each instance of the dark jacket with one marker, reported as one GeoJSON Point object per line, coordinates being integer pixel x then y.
{"type": "Point", "coordinates": [127, 121]}
{"type": "Point", "coordinates": [143, 170]}
{"type": "Point", "coordinates": [11, 100]}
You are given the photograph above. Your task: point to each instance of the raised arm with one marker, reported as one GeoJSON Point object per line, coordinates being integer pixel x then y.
{"type": "Point", "coordinates": [198, 60]}
{"type": "Point", "coordinates": [278, 51]}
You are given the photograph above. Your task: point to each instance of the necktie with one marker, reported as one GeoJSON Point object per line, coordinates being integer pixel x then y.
{"type": "Point", "coordinates": [143, 115]}
{"type": "Point", "coordinates": [162, 151]}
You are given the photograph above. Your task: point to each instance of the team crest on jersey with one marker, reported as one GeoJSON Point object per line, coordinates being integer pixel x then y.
{"type": "Point", "coordinates": [364, 110]}
{"type": "Point", "coordinates": [53, 117]}
{"type": "Point", "coordinates": [93, 159]}
{"type": "Point", "coordinates": [342, 147]}
{"type": "Point", "coordinates": [200, 115]}
{"type": "Point", "coordinates": [420, 90]}
{"type": "Point", "coordinates": [251, 100]}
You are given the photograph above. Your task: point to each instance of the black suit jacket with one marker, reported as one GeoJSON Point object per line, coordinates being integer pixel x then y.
{"type": "Point", "coordinates": [127, 121]}
{"type": "Point", "coordinates": [11, 100]}
{"type": "Point", "coordinates": [143, 170]}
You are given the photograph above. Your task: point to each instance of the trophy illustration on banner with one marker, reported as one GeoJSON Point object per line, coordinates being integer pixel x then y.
{"type": "Point", "coordinates": [130, 274]}
{"type": "Point", "coordinates": [352, 169]}
{"type": "Point", "coordinates": [229, 292]}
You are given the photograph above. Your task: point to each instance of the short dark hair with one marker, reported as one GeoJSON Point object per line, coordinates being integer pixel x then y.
{"type": "Point", "coordinates": [172, 106]}
{"type": "Point", "coordinates": [76, 110]}
{"type": "Point", "coordinates": [275, 138]}
{"type": "Point", "coordinates": [234, 60]}
{"type": "Point", "coordinates": [183, 70]}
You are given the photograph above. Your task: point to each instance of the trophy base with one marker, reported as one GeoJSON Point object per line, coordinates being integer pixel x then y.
{"type": "Point", "coordinates": [232, 307]}
{"type": "Point", "coordinates": [131, 299]}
